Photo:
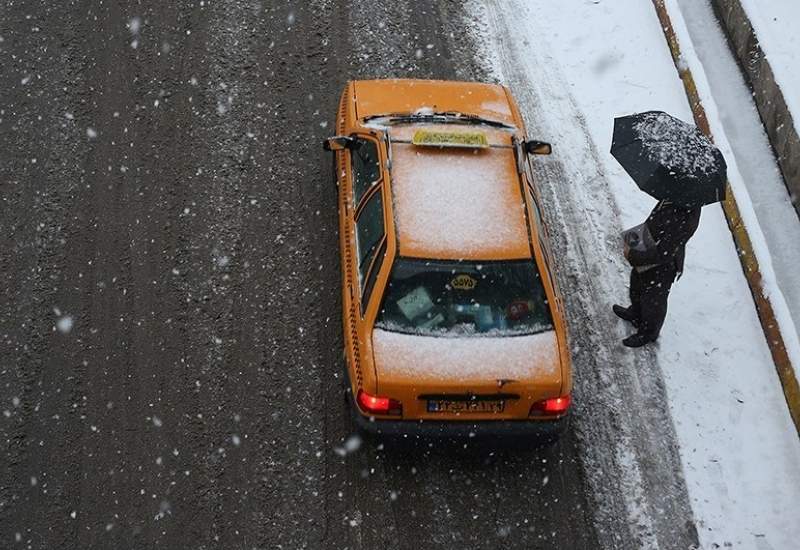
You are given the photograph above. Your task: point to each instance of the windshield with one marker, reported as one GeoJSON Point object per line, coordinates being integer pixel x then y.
{"type": "Point", "coordinates": [465, 298]}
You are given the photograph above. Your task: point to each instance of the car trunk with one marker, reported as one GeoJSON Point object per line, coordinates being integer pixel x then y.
{"type": "Point", "coordinates": [467, 378]}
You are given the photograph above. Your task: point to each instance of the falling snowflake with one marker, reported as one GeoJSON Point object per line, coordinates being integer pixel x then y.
{"type": "Point", "coordinates": [135, 25]}
{"type": "Point", "coordinates": [351, 445]}
{"type": "Point", "coordinates": [223, 261]}
{"type": "Point", "coordinates": [64, 324]}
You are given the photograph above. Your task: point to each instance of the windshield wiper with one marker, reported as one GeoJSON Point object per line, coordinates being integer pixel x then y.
{"type": "Point", "coordinates": [447, 117]}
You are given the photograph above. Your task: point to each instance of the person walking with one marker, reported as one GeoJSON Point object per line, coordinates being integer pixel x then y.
{"type": "Point", "coordinates": [655, 266]}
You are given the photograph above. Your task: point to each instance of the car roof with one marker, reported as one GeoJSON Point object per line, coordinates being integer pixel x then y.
{"type": "Point", "coordinates": [458, 203]}
{"type": "Point", "coordinates": [395, 96]}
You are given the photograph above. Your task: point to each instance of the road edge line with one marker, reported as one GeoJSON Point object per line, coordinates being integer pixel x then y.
{"type": "Point", "coordinates": [741, 238]}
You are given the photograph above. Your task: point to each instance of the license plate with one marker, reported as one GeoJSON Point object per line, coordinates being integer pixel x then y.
{"type": "Point", "coordinates": [483, 406]}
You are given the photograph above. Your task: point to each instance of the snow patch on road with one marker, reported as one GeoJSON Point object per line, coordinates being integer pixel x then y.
{"type": "Point", "coordinates": [574, 67]}
{"type": "Point", "coordinates": [623, 423]}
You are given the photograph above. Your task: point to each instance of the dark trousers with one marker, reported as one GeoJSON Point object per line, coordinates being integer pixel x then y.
{"type": "Point", "coordinates": [649, 292]}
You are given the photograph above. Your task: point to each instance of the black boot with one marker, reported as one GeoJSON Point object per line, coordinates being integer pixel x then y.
{"type": "Point", "coordinates": [639, 339]}
{"type": "Point", "coordinates": [626, 314]}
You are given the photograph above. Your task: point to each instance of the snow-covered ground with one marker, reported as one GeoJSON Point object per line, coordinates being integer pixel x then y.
{"type": "Point", "coordinates": [574, 66]}
{"type": "Point", "coordinates": [753, 172]}
{"type": "Point", "coordinates": [775, 25]}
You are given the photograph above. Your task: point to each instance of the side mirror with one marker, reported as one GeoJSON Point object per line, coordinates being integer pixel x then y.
{"type": "Point", "coordinates": [538, 148]}
{"type": "Point", "coordinates": [339, 143]}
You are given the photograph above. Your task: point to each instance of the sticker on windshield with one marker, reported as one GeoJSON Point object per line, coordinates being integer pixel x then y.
{"type": "Point", "coordinates": [450, 139]}
{"type": "Point", "coordinates": [463, 282]}
{"type": "Point", "coordinates": [415, 303]}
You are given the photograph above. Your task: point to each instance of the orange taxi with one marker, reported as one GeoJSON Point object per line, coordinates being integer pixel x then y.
{"type": "Point", "coordinates": [453, 323]}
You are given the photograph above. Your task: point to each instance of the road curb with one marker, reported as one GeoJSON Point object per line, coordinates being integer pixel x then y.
{"type": "Point", "coordinates": [741, 238]}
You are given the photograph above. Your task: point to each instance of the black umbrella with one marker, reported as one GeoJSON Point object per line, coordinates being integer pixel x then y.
{"type": "Point", "coordinates": [669, 159]}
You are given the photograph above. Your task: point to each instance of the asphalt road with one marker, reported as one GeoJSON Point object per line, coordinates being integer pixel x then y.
{"type": "Point", "coordinates": [170, 346]}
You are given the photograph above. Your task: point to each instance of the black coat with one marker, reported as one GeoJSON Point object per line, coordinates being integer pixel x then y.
{"type": "Point", "coordinates": [671, 227]}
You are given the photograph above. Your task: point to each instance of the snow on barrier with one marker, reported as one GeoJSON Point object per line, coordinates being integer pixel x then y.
{"type": "Point", "coordinates": [744, 244]}
{"type": "Point", "coordinates": [767, 94]}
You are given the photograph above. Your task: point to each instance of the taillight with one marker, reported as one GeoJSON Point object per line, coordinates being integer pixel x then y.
{"type": "Point", "coordinates": [551, 407]}
{"type": "Point", "coordinates": [374, 404]}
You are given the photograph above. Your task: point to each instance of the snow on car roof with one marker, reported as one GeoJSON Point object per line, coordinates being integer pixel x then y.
{"type": "Point", "coordinates": [455, 203]}
{"type": "Point", "coordinates": [430, 358]}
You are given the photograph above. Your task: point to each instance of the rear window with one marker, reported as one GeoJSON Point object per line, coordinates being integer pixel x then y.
{"type": "Point", "coordinates": [465, 298]}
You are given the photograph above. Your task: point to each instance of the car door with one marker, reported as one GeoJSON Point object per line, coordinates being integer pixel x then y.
{"type": "Point", "coordinates": [362, 237]}
{"type": "Point", "coordinates": [365, 242]}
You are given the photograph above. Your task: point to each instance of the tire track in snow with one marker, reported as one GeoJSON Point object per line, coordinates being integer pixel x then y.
{"type": "Point", "coordinates": [623, 423]}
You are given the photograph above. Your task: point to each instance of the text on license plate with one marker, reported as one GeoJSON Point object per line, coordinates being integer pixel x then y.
{"type": "Point", "coordinates": [483, 406]}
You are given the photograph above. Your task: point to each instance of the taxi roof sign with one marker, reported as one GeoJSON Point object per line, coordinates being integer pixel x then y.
{"type": "Point", "coordinates": [431, 138]}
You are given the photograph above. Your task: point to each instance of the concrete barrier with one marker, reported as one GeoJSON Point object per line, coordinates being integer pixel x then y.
{"type": "Point", "coordinates": [769, 98]}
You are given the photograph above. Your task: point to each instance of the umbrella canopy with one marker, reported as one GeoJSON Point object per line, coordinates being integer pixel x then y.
{"type": "Point", "coordinates": [669, 159]}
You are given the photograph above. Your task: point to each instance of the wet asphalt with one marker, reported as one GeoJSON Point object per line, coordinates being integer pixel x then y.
{"type": "Point", "coordinates": [170, 325]}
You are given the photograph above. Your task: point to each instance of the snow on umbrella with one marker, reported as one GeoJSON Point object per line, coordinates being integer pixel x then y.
{"type": "Point", "coordinates": [669, 159]}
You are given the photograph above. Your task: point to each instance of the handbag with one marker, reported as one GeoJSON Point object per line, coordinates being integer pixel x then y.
{"type": "Point", "coordinates": [639, 246]}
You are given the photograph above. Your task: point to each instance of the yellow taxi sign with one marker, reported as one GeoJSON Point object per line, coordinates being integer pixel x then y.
{"type": "Point", "coordinates": [450, 139]}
